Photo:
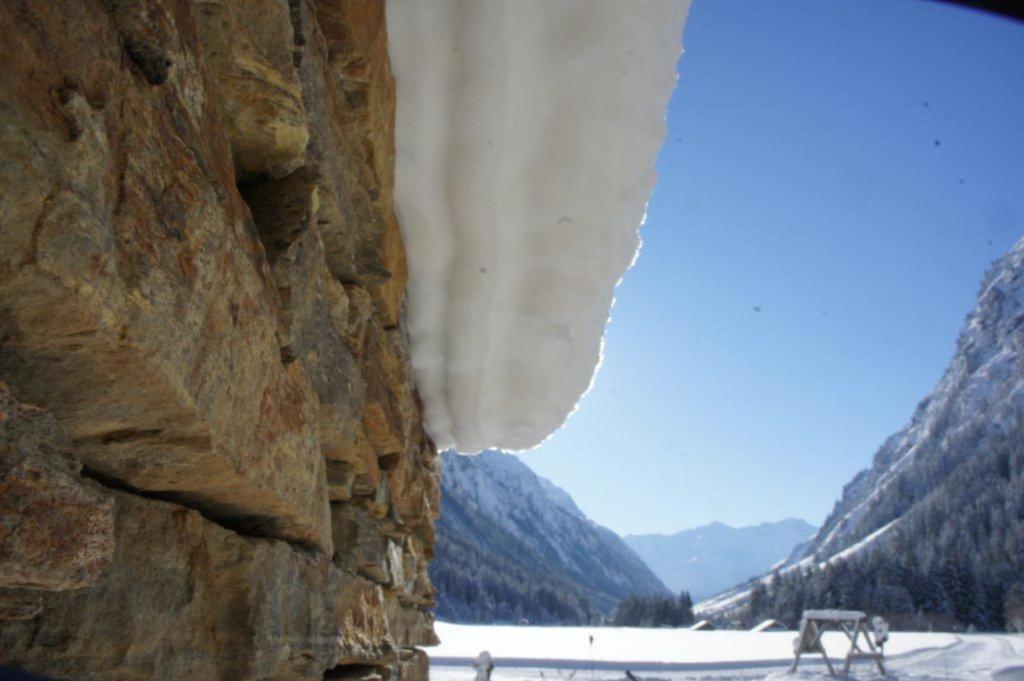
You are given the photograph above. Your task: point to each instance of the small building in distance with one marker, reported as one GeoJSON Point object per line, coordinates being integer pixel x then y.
{"type": "Point", "coordinates": [770, 625]}
{"type": "Point", "coordinates": [703, 625]}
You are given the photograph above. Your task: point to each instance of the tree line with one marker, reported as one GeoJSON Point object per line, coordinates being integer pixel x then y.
{"type": "Point", "coordinates": [654, 611]}
{"type": "Point", "coordinates": [954, 560]}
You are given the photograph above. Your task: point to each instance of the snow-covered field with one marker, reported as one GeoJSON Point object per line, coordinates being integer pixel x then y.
{"type": "Point", "coordinates": [566, 653]}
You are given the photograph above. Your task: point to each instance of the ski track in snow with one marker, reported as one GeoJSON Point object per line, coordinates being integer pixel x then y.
{"type": "Point", "coordinates": [532, 653]}
{"type": "Point", "coordinates": [526, 139]}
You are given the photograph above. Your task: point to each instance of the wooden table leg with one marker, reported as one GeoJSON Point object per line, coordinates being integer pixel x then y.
{"type": "Point", "coordinates": [820, 646]}
{"type": "Point", "coordinates": [871, 646]}
{"type": "Point", "coordinates": [831, 669]}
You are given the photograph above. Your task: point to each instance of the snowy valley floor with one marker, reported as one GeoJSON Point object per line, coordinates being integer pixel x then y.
{"type": "Point", "coordinates": [650, 654]}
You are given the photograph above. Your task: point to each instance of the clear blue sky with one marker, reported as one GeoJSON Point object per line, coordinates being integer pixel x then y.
{"type": "Point", "coordinates": [850, 168]}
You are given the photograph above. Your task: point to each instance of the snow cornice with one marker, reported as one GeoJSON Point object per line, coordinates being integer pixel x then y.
{"type": "Point", "coordinates": [526, 138]}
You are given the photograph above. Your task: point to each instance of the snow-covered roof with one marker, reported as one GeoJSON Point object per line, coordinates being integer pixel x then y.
{"type": "Point", "coordinates": [526, 138]}
{"type": "Point", "coordinates": [769, 625]}
{"type": "Point", "coordinates": [703, 625]}
{"type": "Point", "coordinates": [834, 615]}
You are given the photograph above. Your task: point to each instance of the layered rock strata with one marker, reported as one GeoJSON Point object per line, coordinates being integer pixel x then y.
{"type": "Point", "coordinates": [212, 458]}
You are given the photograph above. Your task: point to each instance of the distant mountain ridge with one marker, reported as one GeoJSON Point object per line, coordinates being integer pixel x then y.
{"type": "Point", "coordinates": [705, 560]}
{"type": "Point", "coordinates": [514, 546]}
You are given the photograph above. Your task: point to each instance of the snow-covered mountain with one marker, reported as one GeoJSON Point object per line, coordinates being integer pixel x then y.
{"type": "Point", "coordinates": [936, 525]}
{"type": "Point", "coordinates": [512, 546]}
{"type": "Point", "coordinates": [707, 559]}
{"type": "Point", "coordinates": [978, 400]}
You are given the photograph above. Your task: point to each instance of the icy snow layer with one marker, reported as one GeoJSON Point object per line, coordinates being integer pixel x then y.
{"type": "Point", "coordinates": [526, 138]}
{"type": "Point", "coordinates": [554, 652]}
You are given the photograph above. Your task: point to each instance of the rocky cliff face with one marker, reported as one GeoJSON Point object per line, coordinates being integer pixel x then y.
{"type": "Point", "coordinates": [223, 472]}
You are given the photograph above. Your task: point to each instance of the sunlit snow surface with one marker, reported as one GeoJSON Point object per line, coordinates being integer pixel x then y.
{"type": "Point", "coordinates": [526, 138]}
{"type": "Point", "coordinates": [565, 652]}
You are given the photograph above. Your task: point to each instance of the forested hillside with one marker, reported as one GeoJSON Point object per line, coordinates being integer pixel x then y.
{"type": "Point", "coordinates": [933, 532]}
{"type": "Point", "coordinates": [954, 560]}
{"type": "Point", "coordinates": [512, 546]}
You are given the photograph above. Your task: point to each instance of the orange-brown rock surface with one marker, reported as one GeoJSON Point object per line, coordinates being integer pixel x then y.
{"type": "Point", "coordinates": [212, 458]}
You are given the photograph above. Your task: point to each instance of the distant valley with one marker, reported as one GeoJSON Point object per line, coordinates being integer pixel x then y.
{"type": "Point", "coordinates": [514, 547]}
{"type": "Point", "coordinates": [930, 535]}
{"type": "Point", "coordinates": [709, 559]}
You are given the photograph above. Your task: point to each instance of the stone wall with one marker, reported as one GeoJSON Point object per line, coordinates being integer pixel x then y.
{"type": "Point", "coordinates": [212, 459]}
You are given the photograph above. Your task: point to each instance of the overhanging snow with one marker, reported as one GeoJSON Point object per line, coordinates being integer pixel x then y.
{"type": "Point", "coordinates": [527, 133]}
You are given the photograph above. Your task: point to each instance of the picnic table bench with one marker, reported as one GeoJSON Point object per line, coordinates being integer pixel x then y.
{"type": "Point", "coordinates": [853, 623]}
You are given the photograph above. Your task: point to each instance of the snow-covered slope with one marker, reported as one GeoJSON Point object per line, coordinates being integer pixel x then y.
{"type": "Point", "coordinates": [946, 486]}
{"type": "Point", "coordinates": [512, 546]}
{"type": "Point", "coordinates": [980, 397]}
{"type": "Point", "coordinates": [705, 560]}
{"type": "Point", "coordinates": [526, 138]}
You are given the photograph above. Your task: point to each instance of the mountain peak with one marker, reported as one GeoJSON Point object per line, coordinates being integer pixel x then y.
{"type": "Point", "coordinates": [706, 559]}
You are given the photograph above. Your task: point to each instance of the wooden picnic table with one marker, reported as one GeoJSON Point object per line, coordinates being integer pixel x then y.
{"type": "Point", "coordinates": [853, 623]}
